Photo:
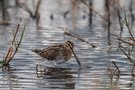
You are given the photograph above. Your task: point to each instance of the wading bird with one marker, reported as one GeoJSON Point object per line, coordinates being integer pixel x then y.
{"type": "Point", "coordinates": [58, 52]}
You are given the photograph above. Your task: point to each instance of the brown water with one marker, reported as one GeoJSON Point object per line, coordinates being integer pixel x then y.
{"type": "Point", "coordinates": [29, 71]}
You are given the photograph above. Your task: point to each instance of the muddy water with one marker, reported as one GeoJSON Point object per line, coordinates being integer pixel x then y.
{"type": "Point", "coordinates": [29, 71]}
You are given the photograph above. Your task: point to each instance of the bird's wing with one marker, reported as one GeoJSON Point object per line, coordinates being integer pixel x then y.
{"type": "Point", "coordinates": [51, 53]}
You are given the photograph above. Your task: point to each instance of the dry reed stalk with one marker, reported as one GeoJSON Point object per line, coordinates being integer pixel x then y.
{"type": "Point", "coordinates": [133, 39]}
{"type": "Point", "coordinates": [127, 42]}
{"type": "Point", "coordinates": [74, 12]}
{"type": "Point", "coordinates": [10, 50]}
{"type": "Point", "coordinates": [131, 11]}
{"type": "Point", "coordinates": [5, 22]}
{"type": "Point", "coordinates": [13, 48]}
{"type": "Point", "coordinates": [26, 8]}
{"type": "Point", "coordinates": [90, 11]}
{"type": "Point", "coordinates": [37, 15]}
{"type": "Point", "coordinates": [120, 23]}
{"type": "Point", "coordinates": [129, 58]}
{"type": "Point", "coordinates": [114, 63]}
{"type": "Point", "coordinates": [4, 5]}
{"type": "Point", "coordinates": [107, 5]}
{"type": "Point", "coordinates": [133, 69]}
{"type": "Point", "coordinates": [15, 33]}
{"type": "Point", "coordinates": [104, 18]}
{"type": "Point", "coordinates": [37, 8]}
{"type": "Point", "coordinates": [112, 71]}
{"type": "Point", "coordinates": [78, 37]}
{"type": "Point", "coordinates": [126, 22]}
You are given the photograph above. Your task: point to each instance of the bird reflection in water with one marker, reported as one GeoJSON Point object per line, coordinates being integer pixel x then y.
{"type": "Point", "coordinates": [61, 78]}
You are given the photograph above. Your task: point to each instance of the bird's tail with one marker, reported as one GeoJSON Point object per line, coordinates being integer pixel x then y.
{"type": "Point", "coordinates": [36, 51]}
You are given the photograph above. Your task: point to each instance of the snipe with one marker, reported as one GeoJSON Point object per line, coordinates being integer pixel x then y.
{"type": "Point", "coordinates": [58, 52]}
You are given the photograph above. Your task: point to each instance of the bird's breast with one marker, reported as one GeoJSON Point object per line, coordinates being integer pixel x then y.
{"type": "Point", "coordinates": [67, 54]}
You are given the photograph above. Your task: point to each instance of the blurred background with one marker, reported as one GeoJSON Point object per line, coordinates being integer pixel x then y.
{"type": "Point", "coordinates": [102, 31]}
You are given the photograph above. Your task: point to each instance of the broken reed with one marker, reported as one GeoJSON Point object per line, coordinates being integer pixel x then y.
{"type": "Point", "coordinates": [130, 42]}
{"type": "Point", "coordinates": [113, 70]}
{"type": "Point", "coordinates": [66, 32]}
{"type": "Point", "coordinates": [15, 44]}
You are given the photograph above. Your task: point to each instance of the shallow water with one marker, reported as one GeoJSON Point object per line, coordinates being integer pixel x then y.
{"type": "Point", "coordinates": [29, 71]}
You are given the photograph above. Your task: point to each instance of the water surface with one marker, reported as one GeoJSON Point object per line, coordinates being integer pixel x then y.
{"type": "Point", "coordinates": [29, 71]}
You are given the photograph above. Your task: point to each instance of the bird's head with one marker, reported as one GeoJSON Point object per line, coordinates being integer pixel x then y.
{"type": "Point", "coordinates": [69, 44]}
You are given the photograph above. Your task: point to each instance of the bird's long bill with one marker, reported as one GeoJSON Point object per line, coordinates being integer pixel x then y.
{"type": "Point", "coordinates": [76, 58]}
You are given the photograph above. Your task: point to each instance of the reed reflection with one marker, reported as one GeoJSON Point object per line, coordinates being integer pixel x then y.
{"type": "Point", "coordinates": [9, 78]}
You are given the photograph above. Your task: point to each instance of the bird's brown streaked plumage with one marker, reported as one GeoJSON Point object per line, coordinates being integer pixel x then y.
{"type": "Point", "coordinates": [57, 52]}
